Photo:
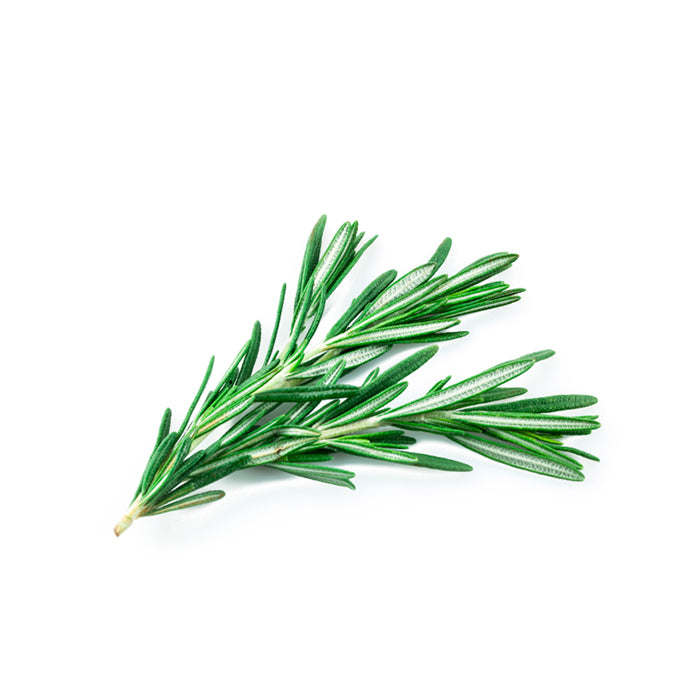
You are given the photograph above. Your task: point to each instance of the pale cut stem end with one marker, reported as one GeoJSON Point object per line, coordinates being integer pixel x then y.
{"type": "Point", "coordinates": [128, 519]}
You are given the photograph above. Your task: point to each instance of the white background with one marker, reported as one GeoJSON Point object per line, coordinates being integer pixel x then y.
{"type": "Point", "coordinates": [161, 165]}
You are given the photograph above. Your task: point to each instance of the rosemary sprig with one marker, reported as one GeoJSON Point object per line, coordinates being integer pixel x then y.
{"type": "Point", "coordinates": [317, 415]}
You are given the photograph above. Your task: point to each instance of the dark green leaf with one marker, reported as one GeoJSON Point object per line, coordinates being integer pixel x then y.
{"type": "Point", "coordinates": [441, 253]}
{"type": "Point", "coordinates": [278, 316]}
{"type": "Point", "coordinates": [442, 463]}
{"type": "Point", "coordinates": [207, 374]}
{"type": "Point", "coordinates": [251, 355]}
{"type": "Point", "coordinates": [390, 437]}
{"type": "Point", "coordinates": [311, 255]}
{"type": "Point", "coordinates": [545, 404]}
{"type": "Point", "coordinates": [319, 304]}
{"type": "Point", "coordinates": [307, 393]}
{"type": "Point", "coordinates": [164, 428]}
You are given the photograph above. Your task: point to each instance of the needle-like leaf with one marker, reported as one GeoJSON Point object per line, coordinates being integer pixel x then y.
{"type": "Point", "coordinates": [391, 335]}
{"type": "Point", "coordinates": [196, 500]}
{"type": "Point", "coordinates": [307, 393]}
{"type": "Point", "coordinates": [275, 329]}
{"type": "Point", "coordinates": [462, 390]}
{"type": "Point", "coordinates": [519, 458]}
{"type": "Point", "coordinates": [545, 404]}
{"type": "Point", "coordinates": [529, 421]}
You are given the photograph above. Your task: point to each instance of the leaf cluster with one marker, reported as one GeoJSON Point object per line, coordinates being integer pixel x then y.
{"type": "Point", "coordinates": [291, 409]}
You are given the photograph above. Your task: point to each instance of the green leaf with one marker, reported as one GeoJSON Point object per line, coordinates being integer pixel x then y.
{"type": "Point", "coordinates": [333, 254]}
{"type": "Point", "coordinates": [434, 338]}
{"type": "Point", "coordinates": [227, 381]}
{"type": "Point", "coordinates": [529, 421]}
{"type": "Point", "coordinates": [388, 438]}
{"type": "Point", "coordinates": [319, 305]}
{"type": "Point", "coordinates": [327, 475]}
{"type": "Point", "coordinates": [439, 385]}
{"type": "Point", "coordinates": [519, 458]}
{"type": "Point", "coordinates": [532, 444]}
{"type": "Point", "coordinates": [279, 448]}
{"type": "Point", "coordinates": [296, 431]}
{"type": "Point", "coordinates": [417, 459]}
{"type": "Point", "coordinates": [311, 255]}
{"type": "Point", "coordinates": [477, 272]}
{"type": "Point", "coordinates": [426, 424]}
{"type": "Point", "coordinates": [311, 455]}
{"type": "Point", "coordinates": [365, 449]}
{"type": "Point", "coordinates": [442, 463]}
{"type": "Point", "coordinates": [404, 308]}
{"type": "Point", "coordinates": [188, 502]}
{"type": "Point", "coordinates": [278, 316]}
{"type": "Point", "coordinates": [251, 355]}
{"type": "Point", "coordinates": [545, 404]}
{"type": "Point", "coordinates": [462, 390]}
{"type": "Point", "coordinates": [471, 294]}
{"type": "Point", "coordinates": [182, 451]}
{"type": "Point", "coordinates": [391, 335]}
{"type": "Point", "coordinates": [371, 376]}
{"type": "Point", "coordinates": [207, 374]}
{"type": "Point", "coordinates": [440, 255]}
{"type": "Point", "coordinates": [575, 451]}
{"type": "Point", "coordinates": [538, 356]}
{"type": "Point", "coordinates": [307, 393]}
{"type": "Point", "coordinates": [300, 316]}
{"type": "Point", "coordinates": [401, 287]}
{"type": "Point", "coordinates": [164, 428]}
{"type": "Point", "coordinates": [484, 305]}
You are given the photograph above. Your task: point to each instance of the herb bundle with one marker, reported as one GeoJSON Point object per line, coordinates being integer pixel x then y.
{"type": "Point", "coordinates": [296, 410]}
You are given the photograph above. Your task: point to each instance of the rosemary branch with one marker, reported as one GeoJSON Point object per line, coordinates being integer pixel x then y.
{"type": "Point", "coordinates": [318, 416]}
